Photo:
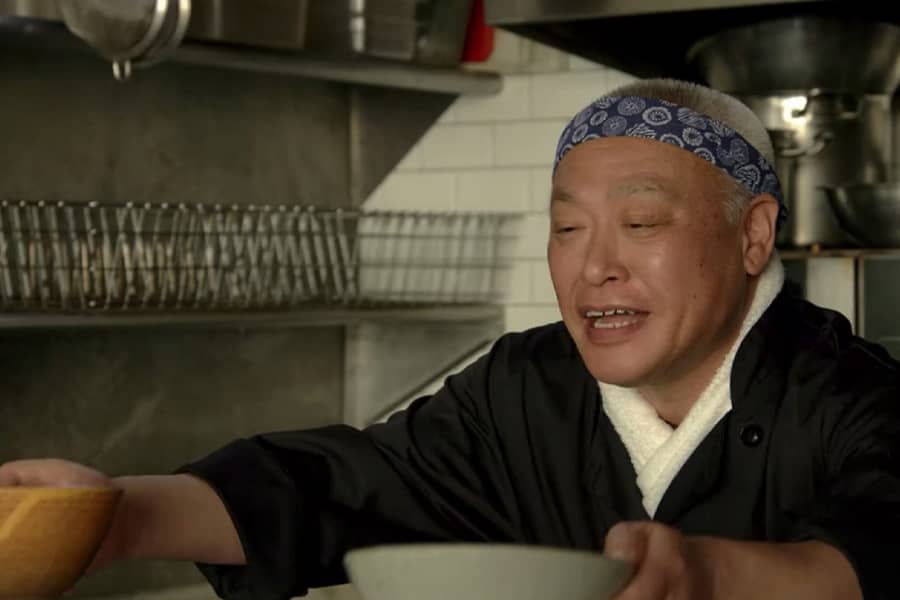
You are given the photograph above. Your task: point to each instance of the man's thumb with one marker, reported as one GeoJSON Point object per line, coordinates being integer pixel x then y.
{"type": "Point", "coordinates": [625, 541]}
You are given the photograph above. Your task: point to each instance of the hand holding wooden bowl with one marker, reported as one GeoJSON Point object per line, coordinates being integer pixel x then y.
{"type": "Point", "coordinates": [48, 536]}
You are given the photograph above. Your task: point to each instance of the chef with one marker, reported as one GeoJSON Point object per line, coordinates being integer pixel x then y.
{"type": "Point", "coordinates": [688, 415]}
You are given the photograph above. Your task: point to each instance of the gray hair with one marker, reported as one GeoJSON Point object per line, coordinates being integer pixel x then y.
{"type": "Point", "coordinates": [722, 107]}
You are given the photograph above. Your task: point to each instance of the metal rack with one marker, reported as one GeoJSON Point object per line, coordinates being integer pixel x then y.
{"type": "Point", "coordinates": [159, 257]}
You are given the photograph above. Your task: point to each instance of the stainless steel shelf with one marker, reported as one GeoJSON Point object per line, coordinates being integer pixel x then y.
{"type": "Point", "coordinates": [806, 253]}
{"type": "Point", "coordinates": [307, 317]}
{"type": "Point", "coordinates": [359, 71]}
{"type": "Point", "coordinates": [354, 70]}
{"type": "Point", "coordinates": [513, 12]}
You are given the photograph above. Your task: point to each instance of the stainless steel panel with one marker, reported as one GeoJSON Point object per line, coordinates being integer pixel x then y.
{"type": "Point", "coordinates": [348, 69]}
{"type": "Point", "coordinates": [442, 30]}
{"type": "Point", "coordinates": [381, 370]}
{"type": "Point", "coordinates": [264, 23]}
{"type": "Point", "coordinates": [308, 317]}
{"type": "Point", "coordinates": [36, 9]}
{"type": "Point", "coordinates": [424, 31]}
{"type": "Point", "coordinates": [895, 140]}
{"type": "Point", "coordinates": [384, 124]}
{"type": "Point", "coordinates": [176, 134]}
{"type": "Point", "coordinates": [145, 401]}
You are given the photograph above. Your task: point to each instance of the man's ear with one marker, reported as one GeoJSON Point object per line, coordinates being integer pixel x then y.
{"type": "Point", "coordinates": [758, 231]}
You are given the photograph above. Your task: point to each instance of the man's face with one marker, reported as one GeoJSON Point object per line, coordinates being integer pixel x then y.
{"type": "Point", "coordinates": [647, 270]}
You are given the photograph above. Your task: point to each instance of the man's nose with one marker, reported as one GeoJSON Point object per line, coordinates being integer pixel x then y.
{"type": "Point", "coordinates": [603, 261]}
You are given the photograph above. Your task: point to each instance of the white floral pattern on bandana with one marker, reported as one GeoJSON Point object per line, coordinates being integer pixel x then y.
{"type": "Point", "coordinates": [663, 121]}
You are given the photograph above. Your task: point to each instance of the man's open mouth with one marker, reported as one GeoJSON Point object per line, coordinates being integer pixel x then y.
{"type": "Point", "coordinates": [615, 318]}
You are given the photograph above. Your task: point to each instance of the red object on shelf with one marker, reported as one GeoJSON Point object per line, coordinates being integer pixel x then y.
{"type": "Point", "coordinates": [479, 36]}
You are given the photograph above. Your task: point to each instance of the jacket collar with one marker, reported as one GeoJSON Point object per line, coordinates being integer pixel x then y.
{"type": "Point", "coordinates": [757, 381]}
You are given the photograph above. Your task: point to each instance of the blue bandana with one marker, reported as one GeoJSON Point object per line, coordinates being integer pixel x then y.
{"type": "Point", "coordinates": [663, 121]}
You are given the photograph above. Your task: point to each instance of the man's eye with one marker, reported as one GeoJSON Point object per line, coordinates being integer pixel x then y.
{"type": "Point", "coordinates": [641, 225]}
{"type": "Point", "coordinates": [565, 229]}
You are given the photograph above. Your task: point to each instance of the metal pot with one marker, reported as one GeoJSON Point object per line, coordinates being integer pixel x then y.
{"type": "Point", "coordinates": [802, 53]}
{"type": "Point", "coordinates": [824, 140]}
{"type": "Point", "coordinates": [870, 212]}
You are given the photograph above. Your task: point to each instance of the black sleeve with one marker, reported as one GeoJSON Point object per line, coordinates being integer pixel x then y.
{"type": "Point", "coordinates": [858, 505]}
{"type": "Point", "coordinates": [301, 499]}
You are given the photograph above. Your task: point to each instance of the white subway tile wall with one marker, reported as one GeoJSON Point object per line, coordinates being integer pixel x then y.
{"type": "Point", "coordinates": [526, 143]}
{"type": "Point", "coordinates": [512, 103]}
{"type": "Point", "coordinates": [504, 190]}
{"type": "Point", "coordinates": [561, 95]}
{"type": "Point", "coordinates": [540, 188]}
{"type": "Point", "coordinates": [457, 146]}
{"type": "Point", "coordinates": [496, 153]}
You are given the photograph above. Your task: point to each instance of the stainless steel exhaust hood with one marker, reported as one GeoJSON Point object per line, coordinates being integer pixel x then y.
{"type": "Point", "coordinates": [651, 38]}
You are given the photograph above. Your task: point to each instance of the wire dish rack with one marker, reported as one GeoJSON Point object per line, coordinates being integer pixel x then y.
{"type": "Point", "coordinates": [159, 257]}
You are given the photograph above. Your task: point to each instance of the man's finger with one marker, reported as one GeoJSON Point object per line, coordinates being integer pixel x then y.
{"type": "Point", "coordinates": [52, 472]}
{"type": "Point", "coordinates": [654, 549]}
{"type": "Point", "coordinates": [27, 472]}
{"type": "Point", "coordinates": [626, 541]}
{"type": "Point", "coordinates": [9, 475]}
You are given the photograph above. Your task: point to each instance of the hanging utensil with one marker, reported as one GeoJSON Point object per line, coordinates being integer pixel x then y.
{"type": "Point", "coordinates": [137, 33]}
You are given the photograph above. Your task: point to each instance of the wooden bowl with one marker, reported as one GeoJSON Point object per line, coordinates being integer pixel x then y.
{"type": "Point", "coordinates": [49, 535]}
{"type": "Point", "coordinates": [483, 572]}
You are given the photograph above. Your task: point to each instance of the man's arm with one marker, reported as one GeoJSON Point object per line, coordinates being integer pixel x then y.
{"type": "Point", "coordinates": [670, 566]}
{"type": "Point", "coordinates": [172, 517]}
{"type": "Point", "coordinates": [797, 571]}
{"type": "Point", "coordinates": [177, 517]}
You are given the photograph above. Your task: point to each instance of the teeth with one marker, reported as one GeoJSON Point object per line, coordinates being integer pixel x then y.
{"type": "Point", "coordinates": [599, 325]}
{"type": "Point", "coordinates": [593, 314]}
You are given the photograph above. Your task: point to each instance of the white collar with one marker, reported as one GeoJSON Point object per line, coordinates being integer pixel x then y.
{"type": "Point", "coordinates": [658, 451]}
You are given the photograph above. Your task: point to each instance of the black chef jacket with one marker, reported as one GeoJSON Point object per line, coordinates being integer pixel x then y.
{"type": "Point", "coordinates": [516, 448]}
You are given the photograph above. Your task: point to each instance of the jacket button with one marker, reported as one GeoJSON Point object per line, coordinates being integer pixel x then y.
{"type": "Point", "coordinates": [751, 435]}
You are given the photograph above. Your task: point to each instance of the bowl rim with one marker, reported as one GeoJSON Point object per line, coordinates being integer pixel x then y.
{"type": "Point", "coordinates": [62, 490]}
{"type": "Point", "coordinates": [465, 547]}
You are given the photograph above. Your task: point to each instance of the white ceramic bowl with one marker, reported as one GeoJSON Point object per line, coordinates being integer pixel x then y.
{"type": "Point", "coordinates": [483, 572]}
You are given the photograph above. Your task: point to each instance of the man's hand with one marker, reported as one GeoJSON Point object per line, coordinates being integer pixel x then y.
{"type": "Point", "coordinates": [668, 565]}
{"type": "Point", "coordinates": [174, 517]}
{"type": "Point", "coordinates": [672, 566]}
{"type": "Point", "coordinates": [62, 473]}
